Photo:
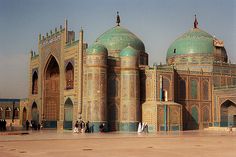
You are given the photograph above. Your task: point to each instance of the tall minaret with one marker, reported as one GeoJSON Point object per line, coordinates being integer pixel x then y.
{"type": "Point", "coordinates": [96, 89]}
{"type": "Point", "coordinates": [66, 31]}
{"type": "Point", "coordinates": [80, 97]}
{"type": "Point", "coordinates": [130, 112]}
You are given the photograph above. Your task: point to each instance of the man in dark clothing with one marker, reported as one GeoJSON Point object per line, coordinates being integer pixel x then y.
{"type": "Point", "coordinates": [87, 127]}
{"type": "Point", "coordinates": [27, 124]}
{"type": "Point", "coordinates": [102, 127]}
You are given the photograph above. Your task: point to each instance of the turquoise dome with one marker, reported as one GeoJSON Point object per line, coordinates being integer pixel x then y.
{"type": "Point", "coordinates": [118, 38]}
{"type": "Point", "coordinates": [192, 42]}
{"type": "Point", "coordinates": [96, 48]}
{"type": "Point", "coordinates": [128, 51]}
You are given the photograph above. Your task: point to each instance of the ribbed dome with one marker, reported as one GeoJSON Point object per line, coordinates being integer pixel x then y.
{"type": "Point", "coordinates": [128, 51]}
{"type": "Point", "coordinates": [96, 48]}
{"type": "Point", "coordinates": [193, 41]}
{"type": "Point", "coordinates": [118, 38]}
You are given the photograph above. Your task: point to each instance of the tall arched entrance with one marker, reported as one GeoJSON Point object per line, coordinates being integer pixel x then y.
{"type": "Point", "coordinates": [35, 114]}
{"type": "Point", "coordinates": [228, 114]}
{"type": "Point", "coordinates": [68, 114]}
{"type": "Point", "coordinates": [51, 93]}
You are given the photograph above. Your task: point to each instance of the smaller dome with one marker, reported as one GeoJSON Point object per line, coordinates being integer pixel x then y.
{"type": "Point", "coordinates": [117, 38]}
{"type": "Point", "coordinates": [192, 42]}
{"type": "Point", "coordinates": [128, 51]}
{"type": "Point", "coordinates": [96, 48]}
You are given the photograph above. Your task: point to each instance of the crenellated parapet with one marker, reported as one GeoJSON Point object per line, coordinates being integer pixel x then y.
{"type": "Point", "coordinates": [51, 34]}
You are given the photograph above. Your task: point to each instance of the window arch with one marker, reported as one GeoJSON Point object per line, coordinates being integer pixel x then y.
{"type": "Point", "coordinates": [8, 113]}
{"type": "Point", "coordinates": [205, 114]}
{"type": "Point", "coordinates": [194, 89]}
{"type": "Point", "coordinates": [35, 83]}
{"type": "Point", "coordinates": [166, 89]}
{"type": "Point", "coordinates": [16, 112]}
{"type": "Point", "coordinates": [205, 90]}
{"type": "Point", "coordinates": [68, 110]}
{"type": "Point", "coordinates": [69, 76]}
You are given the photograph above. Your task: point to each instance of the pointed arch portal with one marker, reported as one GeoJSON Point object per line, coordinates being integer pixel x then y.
{"type": "Point", "coordinates": [35, 113]}
{"type": "Point", "coordinates": [51, 93]}
{"type": "Point", "coordinates": [68, 114]}
{"type": "Point", "coordinates": [228, 114]}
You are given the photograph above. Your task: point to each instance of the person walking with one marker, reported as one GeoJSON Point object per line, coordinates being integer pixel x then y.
{"type": "Point", "coordinates": [27, 123]}
{"type": "Point", "coordinates": [87, 127]}
{"type": "Point", "coordinates": [140, 127]}
{"type": "Point", "coordinates": [76, 129]}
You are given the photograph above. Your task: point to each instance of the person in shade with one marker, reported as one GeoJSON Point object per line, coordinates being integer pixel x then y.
{"type": "Point", "coordinates": [143, 124]}
{"type": "Point", "coordinates": [145, 129]}
{"type": "Point", "coordinates": [87, 127]}
{"type": "Point", "coordinates": [27, 123]}
{"type": "Point", "coordinates": [102, 127]}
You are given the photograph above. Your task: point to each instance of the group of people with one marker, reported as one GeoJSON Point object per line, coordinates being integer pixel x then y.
{"type": "Point", "coordinates": [3, 125]}
{"type": "Point", "coordinates": [81, 127]}
{"type": "Point", "coordinates": [33, 124]}
{"type": "Point", "coordinates": [142, 128]}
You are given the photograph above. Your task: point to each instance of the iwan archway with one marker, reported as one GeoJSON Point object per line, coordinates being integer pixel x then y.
{"type": "Point", "coordinates": [68, 114]}
{"type": "Point", "coordinates": [35, 114]}
{"type": "Point", "coordinates": [228, 114]}
{"type": "Point", "coordinates": [51, 90]}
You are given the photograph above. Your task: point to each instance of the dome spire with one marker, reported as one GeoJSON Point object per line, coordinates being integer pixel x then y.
{"type": "Point", "coordinates": [118, 19]}
{"type": "Point", "coordinates": [195, 22]}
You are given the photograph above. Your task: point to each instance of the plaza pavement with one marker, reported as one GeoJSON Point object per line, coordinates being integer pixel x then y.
{"type": "Point", "coordinates": [52, 143]}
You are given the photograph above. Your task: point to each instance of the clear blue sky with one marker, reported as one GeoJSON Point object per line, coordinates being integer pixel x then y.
{"type": "Point", "coordinates": [156, 22]}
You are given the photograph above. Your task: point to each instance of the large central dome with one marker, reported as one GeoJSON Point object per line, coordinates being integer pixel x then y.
{"type": "Point", "coordinates": [118, 38]}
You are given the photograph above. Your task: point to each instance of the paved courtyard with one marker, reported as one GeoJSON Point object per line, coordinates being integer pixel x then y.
{"type": "Point", "coordinates": [51, 143]}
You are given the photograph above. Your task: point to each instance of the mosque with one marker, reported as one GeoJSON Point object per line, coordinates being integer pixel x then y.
{"type": "Point", "coordinates": [111, 82]}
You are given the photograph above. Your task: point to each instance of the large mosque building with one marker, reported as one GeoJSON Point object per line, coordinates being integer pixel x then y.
{"type": "Point", "coordinates": [111, 82]}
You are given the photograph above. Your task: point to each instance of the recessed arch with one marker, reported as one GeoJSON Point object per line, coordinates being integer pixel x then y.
{"type": "Point", "coordinates": [16, 112]}
{"type": "Point", "coordinates": [228, 114]}
{"type": "Point", "coordinates": [69, 75]}
{"type": "Point", "coordinates": [205, 114]}
{"type": "Point", "coordinates": [35, 83]}
{"type": "Point", "coordinates": [166, 87]}
{"type": "Point", "coordinates": [7, 113]}
{"type": "Point", "coordinates": [51, 91]}
{"type": "Point", "coordinates": [35, 113]}
{"type": "Point", "coordinates": [194, 88]}
{"type": "Point", "coordinates": [68, 114]}
{"type": "Point", "coordinates": [205, 90]}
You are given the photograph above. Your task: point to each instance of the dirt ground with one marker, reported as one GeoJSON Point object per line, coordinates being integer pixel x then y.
{"type": "Point", "coordinates": [62, 144]}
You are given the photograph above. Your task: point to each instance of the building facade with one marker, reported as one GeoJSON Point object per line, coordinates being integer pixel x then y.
{"type": "Point", "coordinates": [111, 82]}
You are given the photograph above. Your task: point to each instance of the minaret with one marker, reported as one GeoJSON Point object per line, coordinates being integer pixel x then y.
{"type": "Point", "coordinates": [96, 85]}
{"type": "Point", "coordinates": [66, 31]}
{"type": "Point", "coordinates": [80, 97]}
{"type": "Point", "coordinates": [130, 113]}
